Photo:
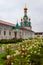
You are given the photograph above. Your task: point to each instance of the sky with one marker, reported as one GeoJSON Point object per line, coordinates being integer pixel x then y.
{"type": "Point", "coordinates": [12, 11]}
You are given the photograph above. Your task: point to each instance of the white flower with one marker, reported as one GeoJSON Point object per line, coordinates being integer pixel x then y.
{"type": "Point", "coordinates": [34, 46]}
{"type": "Point", "coordinates": [31, 51]}
{"type": "Point", "coordinates": [8, 56]}
{"type": "Point", "coordinates": [38, 53]}
{"type": "Point", "coordinates": [39, 50]}
{"type": "Point", "coordinates": [12, 63]}
{"type": "Point", "coordinates": [35, 51]}
{"type": "Point", "coordinates": [14, 54]}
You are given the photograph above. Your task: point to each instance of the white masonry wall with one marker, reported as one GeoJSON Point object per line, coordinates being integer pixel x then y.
{"type": "Point", "coordinates": [40, 36]}
{"type": "Point", "coordinates": [7, 29]}
{"type": "Point", "coordinates": [24, 34]}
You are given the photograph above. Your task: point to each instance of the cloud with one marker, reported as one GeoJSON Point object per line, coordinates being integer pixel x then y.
{"type": "Point", "coordinates": [10, 10]}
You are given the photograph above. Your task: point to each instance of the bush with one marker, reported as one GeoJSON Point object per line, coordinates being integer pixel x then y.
{"type": "Point", "coordinates": [6, 41]}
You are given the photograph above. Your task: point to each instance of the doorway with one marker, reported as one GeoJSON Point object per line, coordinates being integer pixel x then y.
{"type": "Point", "coordinates": [15, 34]}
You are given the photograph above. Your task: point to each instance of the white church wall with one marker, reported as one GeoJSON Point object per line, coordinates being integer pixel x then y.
{"type": "Point", "coordinates": [7, 29]}
{"type": "Point", "coordinates": [10, 33]}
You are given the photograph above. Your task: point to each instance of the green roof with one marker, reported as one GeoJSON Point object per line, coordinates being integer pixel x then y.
{"type": "Point", "coordinates": [17, 26]}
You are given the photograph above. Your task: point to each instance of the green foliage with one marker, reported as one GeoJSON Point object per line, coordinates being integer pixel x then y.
{"type": "Point", "coordinates": [24, 53]}
{"type": "Point", "coordinates": [7, 41]}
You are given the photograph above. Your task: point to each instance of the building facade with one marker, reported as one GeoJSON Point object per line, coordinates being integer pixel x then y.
{"type": "Point", "coordinates": [38, 34]}
{"type": "Point", "coordinates": [10, 31]}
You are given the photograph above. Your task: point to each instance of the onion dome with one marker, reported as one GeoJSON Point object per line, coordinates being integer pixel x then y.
{"type": "Point", "coordinates": [21, 22]}
{"type": "Point", "coordinates": [25, 9]}
{"type": "Point", "coordinates": [25, 13]}
{"type": "Point", "coordinates": [29, 19]}
{"type": "Point", "coordinates": [17, 25]}
{"type": "Point", "coordinates": [29, 23]}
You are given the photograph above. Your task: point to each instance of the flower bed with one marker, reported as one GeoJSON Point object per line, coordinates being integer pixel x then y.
{"type": "Point", "coordinates": [24, 53]}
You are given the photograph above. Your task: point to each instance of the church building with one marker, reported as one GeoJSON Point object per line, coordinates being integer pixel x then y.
{"type": "Point", "coordinates": [10, 31]}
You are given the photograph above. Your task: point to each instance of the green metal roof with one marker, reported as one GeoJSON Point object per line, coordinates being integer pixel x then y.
{"type": "Point", "coordinates": [17, 26]}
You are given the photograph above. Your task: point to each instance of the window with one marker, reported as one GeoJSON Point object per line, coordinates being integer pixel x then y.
{"type": "Point", "coordinates": [0, 32]}
{"type": "Point", "coordinates": [9, 33]}
{"type": "Point", "coordinates": [4, 32]}
{"type": "Point", "coordinates": [15, 34]}
{"type": "Point", "coordinates": [20, 34]}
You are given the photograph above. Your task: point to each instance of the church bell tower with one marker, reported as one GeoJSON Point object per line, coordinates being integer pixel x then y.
{"type": "Point", "coordinates": [25, 21]}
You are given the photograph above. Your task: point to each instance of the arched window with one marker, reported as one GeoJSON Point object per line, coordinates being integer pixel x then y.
{"type": "Point", "coordinates": [4, 32]}
{"type": "Point", "coordinates": [9, 33]}
{"type": "Point", "coordinates": [0, 32]}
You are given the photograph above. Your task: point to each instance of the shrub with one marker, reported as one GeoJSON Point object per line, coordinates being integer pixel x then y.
{"type": "Point", "coordinates": [6, 41]}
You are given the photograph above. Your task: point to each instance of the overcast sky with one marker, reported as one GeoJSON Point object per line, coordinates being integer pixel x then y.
{"type": "Point", "coordinates": [11, 10]}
